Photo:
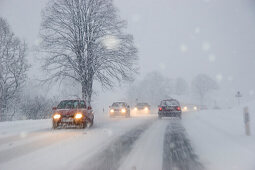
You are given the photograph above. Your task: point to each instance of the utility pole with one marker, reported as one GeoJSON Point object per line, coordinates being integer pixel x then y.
{"type": "Point", "coordinates": [247, 121]}
{"type": "Point", "coordinates": [238, 96]}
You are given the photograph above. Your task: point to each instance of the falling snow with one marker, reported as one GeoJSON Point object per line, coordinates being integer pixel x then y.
{"type": "Point", "coordinates": [183, 48]}
{"type": "Point", "coordinates": [111, 42]}
{"type": "Point", "coordinates": [219, 77]}
{"type": "Point", "coordinates": [212, 58]}
{"type": "Point", "coordinates": [206, 46]}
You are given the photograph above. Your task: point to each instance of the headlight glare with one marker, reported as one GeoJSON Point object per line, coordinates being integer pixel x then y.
{"type": "Point", "coordinates": [185, 108]}
{"type": "Point", "coordinates": [78, 116]}
{"type": "Point", "coordinates": [57, 116]}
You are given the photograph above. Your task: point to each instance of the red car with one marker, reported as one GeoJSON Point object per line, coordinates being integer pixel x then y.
{"type": "Point", "coordinates": [72, 112]}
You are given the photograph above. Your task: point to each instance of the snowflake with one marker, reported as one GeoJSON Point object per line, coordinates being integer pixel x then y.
{"type": "Point", "coordinates": [111, 42]}
{"type": "Point", "coordinates": [206, 46]}
{"type": "Point", "coordinates": [219, 77]}
{"type": "Point", "coordinates": [183, 48]}
{"type": "Point", "coordinates": [251, 92]}
{"type": "Point", "coordinates": [212, 58]}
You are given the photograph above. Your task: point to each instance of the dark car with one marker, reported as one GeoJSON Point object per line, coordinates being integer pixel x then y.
{"type": "Point", "coordinates": [142, 108]}
{"type": "Point", "coordinates": [119, 109]}
{"type": "Point", "coordinates": [169, 108]}
{"type": "Point", "coordinates": [72, 112]}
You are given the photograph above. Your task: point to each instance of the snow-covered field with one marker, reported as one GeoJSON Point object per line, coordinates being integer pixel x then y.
{"type": "Point", "coordinates": [218, 137]}
{"type": "Point", "coordinates": [212, 139]}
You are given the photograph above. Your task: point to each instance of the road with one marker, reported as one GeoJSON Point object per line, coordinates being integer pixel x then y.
{"type": "Point", "coordinates": [111, 144]}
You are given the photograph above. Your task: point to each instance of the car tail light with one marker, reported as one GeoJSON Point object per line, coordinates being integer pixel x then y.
{"type": "Point", "coordinates": [160, 109]}
{"type": "Point", "coordinates": [178, 108]}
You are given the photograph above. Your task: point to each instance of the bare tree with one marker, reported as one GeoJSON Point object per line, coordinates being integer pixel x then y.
{"type": "Point", "coordinates": [36, 107]}
{"type": "Point", "coordinates": [153, 88]}
{"type": "Point", "coordinates": [202, 84]}
{"type": "Point", "coordinates": [85, 41]}
{"type": "Point", "coordinates": [13, 65]}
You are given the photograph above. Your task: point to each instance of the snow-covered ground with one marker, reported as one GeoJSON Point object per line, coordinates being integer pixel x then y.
{"type": "Point", "coordinates": [218, 137]}
{"type": "Point", "coordinates": [214, 139]}
{"type": "Point", "coordinates": [45, 148]}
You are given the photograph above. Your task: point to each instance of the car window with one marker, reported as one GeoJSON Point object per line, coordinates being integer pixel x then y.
{"type": "Point", "coordinates": [82, 105]}
{"type": "Point", "coordinates": [68, 104]}
{"type": "Point", "coordinates": [142, 104]}
{"type": "Point", "coordinates": [119, 104]}
{"type": "Point", "coordinates": [169, 103]}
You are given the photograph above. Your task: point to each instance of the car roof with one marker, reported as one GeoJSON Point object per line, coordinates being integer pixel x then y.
{"type": "Point", "coordinates": [169, 100]}
{"type": "Point", "coordinates": [119, 102]}
{"type": "Point", "coordinates": [142, 103]}
{"type": "Point", "coordinates": [73, 100]}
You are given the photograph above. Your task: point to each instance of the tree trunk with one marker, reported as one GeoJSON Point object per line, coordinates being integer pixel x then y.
{"type": "Point", "coordinates": [87, 89]}
{"type": "Point", "coordinates": [84, 91]}
{"type": "Point", "coordinates": [1, 111]}
{"type": "Point", "coordinates": [90, 91]}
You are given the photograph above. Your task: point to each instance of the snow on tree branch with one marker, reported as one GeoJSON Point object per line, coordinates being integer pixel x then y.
{"type": "Point", "coordinates": [13, 66]}
{"type": "Point", "coordinates": [84, 40]}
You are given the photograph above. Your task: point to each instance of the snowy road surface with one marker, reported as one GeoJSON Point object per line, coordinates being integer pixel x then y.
{"type": "Point", "coordinates": [140, 143]}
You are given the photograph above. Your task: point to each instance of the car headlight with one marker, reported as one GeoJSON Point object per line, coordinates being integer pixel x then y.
{"type": "Point", "coordinates": [146, 109]}
{"type": "Point", "coordinates": [56, 116]}
{"type": "Point", "coordinates": [195, 107]}
{"type": "Point", "coordinates": [112, 111]}
{"type": "Point", "coordinates": [135, 109]}
{"type": "Point", "coordinates": [123, 110]}
{"type": "Point", "coordinates": [185, 108]}
{"type": "Point", "coordinates": [78, 116]}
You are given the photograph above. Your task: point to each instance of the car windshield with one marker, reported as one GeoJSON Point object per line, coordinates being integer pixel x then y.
{"type": "Point", "coordinates": [169, 103]}
{"type": "Point", "coordinates": [142, 104]}
{"type": "Point", "coordinates": [118, 104]}
{"type": "Point", "coordinates": [71, 104]}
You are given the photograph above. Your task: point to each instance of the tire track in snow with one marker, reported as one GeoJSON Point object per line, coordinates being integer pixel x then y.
{"type": "Point", "coordinates": [177, 151]}
{"type": "Point", "coordinates": [111, 157]}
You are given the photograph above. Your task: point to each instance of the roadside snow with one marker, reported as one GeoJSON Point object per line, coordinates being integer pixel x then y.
{"type": "Point", "coordinates": [44, 148]}
{"type": "Point", "coordinates": [23, 127]}
{"type": "Point", "coordinates": [219, 138]}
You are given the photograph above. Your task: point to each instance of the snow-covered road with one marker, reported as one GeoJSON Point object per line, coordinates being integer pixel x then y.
{"type": "Point", "coordinates": [45, 148]}
{"type": "Point", "coordinates": [137, 143]}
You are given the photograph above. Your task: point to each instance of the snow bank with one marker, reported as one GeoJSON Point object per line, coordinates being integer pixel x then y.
{"type": "Point", "coordinates": [219, 138]}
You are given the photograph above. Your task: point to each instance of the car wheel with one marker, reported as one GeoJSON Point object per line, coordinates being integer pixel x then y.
{"type": "Point", "coordinates": [83, 125]}
{"type": "Point", "coordinates": [91, 122]}
{"type": "Point", "coordinates": [54, 125]}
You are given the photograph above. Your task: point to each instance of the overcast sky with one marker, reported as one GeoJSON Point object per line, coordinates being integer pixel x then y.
{"type": "Point", "coordinates": [179, 38]}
